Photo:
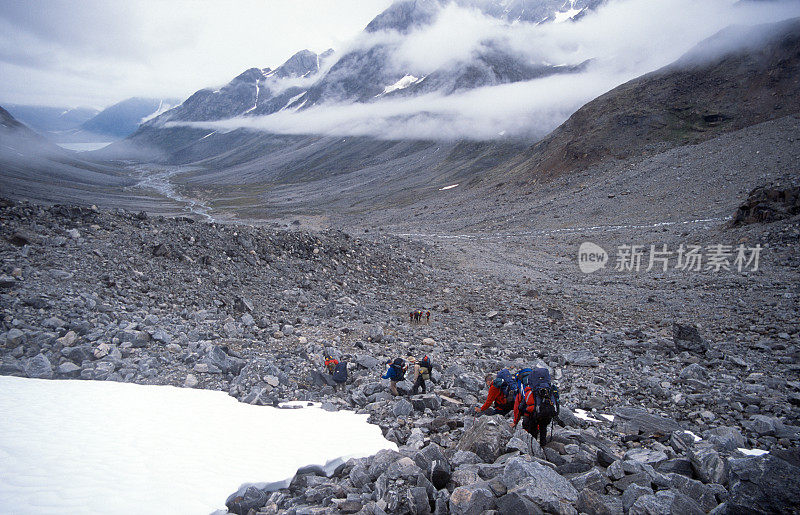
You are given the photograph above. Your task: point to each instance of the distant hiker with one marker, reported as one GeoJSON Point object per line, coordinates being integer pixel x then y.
{"type": "Point", "coordinates": [395, 374]}
{"type": "Point", "coordinates": [537, 402]}
{"type": "Point", "coordinates": [428, 317]}
{"type": "Point", "coordinates": [330, 364]}
{"type": "Point", "coordinates": [411, 317]}
{"type": "Point", "coordinates": [417, 316]}
{"type": "Point", "coordinates": [422, 373]}
{"type": "Point", "coordinates": [502, 389]}
{"type": "Point", "coordinates": [340, 373]}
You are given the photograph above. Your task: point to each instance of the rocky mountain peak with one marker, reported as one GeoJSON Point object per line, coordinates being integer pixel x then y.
{"type": "Point", "coordinates": [406, 15]}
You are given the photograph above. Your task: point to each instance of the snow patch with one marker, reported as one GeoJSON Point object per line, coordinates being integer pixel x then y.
{"type": "Point", "coordinates": [568, 14]}
{"type": "Point", "coordinates": [753, 452]}
{"type": "Point", "coordinates": [583, 415]}
{"type": "Point", "coordinates": [163, 107]}
{"type": "Point", "coordinates": [448, 187]}
{"type": "Point", "coordinates": [403, 83]}
{"type": "Point", "coordinates": [293, 100]}
{"type": "Point", "coordinates": [107, 447]}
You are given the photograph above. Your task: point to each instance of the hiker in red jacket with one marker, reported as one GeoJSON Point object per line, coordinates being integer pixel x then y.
{"type": "Point", "coordinates": [330, 364]}
{"type": "Point", "coordinates": [502, 404]}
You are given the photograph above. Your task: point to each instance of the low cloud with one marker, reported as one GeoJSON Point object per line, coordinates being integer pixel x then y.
{"type": "Point", "coordinates": [623, 39]}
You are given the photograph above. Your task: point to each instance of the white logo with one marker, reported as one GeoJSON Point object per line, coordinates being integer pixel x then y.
{"type": "Point", "coordinates": [591, 257]}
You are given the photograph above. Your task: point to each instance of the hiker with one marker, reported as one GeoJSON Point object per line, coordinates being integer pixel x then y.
{"type": "Point", "coordinates": [411, 317]}
{"type": "Point", "coordinates": [428, 317]}
{"type": "Point", "coordinates": [330, 364]}
{"type": "Point", "coordinates": [339, 374]}
{"type": "Point", "coordinates": [502, 389]}
{"type": "Point", "coordinates": [422, 373]}
{"type": "Point", "coordinates": [537, 402]}
{"type": "Point", "coordinates": [395, 374]}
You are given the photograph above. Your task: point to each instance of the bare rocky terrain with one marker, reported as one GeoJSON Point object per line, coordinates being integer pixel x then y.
{"type": "Point", "coordinates": [238, 262]}
{"type": "Point", "coordinates": [112, 295]}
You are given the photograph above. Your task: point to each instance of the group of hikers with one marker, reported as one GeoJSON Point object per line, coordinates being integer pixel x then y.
{"type": "Point", "coordinates": [415, 317]}
{"type": "Point", "coordinates": [421, 372]}
{"type": "Point", "coordinates": [529, 393]}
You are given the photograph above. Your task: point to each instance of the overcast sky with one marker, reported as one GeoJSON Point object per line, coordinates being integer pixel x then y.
{"type": "Point", "coordinates": [98, 52]}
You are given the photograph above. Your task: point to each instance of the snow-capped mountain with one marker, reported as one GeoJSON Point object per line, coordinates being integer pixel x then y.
{"type": "Point", "coordinates": [369, 70]}
{"type": "Point", "coordinates": [254, 91]}
{"type": "Point", "coordinates": [123, 118]}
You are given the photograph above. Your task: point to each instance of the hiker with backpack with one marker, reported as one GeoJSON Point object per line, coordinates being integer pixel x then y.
{"type": "Point", "coordinates": [502, 389]}
{"type": "Point", "coordinates": [337, 370]}
{"type": "Point", "coordinates": [536, 403]}
{"type": "Point", "coordinates": [395, 374]}
{"type": "Point", "coordinates": [422, 373]}
{"type": "Point", "coordinates": [330, 363]}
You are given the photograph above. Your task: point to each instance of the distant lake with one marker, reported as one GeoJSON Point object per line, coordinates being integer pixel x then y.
{"type": "Point", "coordinates": [85, 147]}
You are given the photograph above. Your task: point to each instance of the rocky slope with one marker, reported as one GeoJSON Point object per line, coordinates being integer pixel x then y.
{"type": "Point", "coordinates": [708, 92]}
{"type": "Point", "coordinates": [118, 296]}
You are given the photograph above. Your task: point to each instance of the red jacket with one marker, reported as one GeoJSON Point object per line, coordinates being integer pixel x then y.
{"type": "Point", "coordinates": [496, 396]}
{"type": "Point", "coordinates": [330, 364]}
{"type": "Point", "coordinates": [517, 414]}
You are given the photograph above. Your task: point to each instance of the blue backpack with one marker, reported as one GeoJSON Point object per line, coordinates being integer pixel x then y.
{"type": "Point", "coordinates": [506, 383]}
{"type": "Point", "coordinates": [538, 396]}
{"type": "Point", "coordinates": [398, 369]}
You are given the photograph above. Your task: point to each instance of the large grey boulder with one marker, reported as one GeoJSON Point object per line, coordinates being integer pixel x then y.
{"type": "Point", "coordinates": [465, 475]}
{"type": "Point", "coordinates": [514, 502]}
{"type": "Point", "coordinates": [725, 438]}
{"type": "Point", "coordinates": [695, 371]}
{"type": "Point", "coordinates": [429, 401]}
{"type": "Point", "coordinates": [632, 493]}
{"type": "Point", "coordinates": [366, 361]}
{"type": "Point", "coordinates": [540, 484]}
{"type": "Point", "coordinates": [593, 480]}
{"type": "Point", "coordinates": [15, 337]}
{"type": "Point", "coordinates": [638, 420]}
{"type": "Point", "coordinates": [687, 338]}
{"type": "Point", "coordinates": [39, 367]}
{"type": "Point", "coordinates": [402, 408]}
{"type": "Point", "coordinates": [703, 494]}
{"type": "Point", "coordinates": [437, 468]}
{"type": "Point", "coordinates": [217, 357]}
{"type": "Point", "coordinates": [593, 503]}
{"type": "Point", "coordinates": [78, 354]}
{"type": "Point", "coordinates": [381, 461]}
{"type": "Point", "coordinates": [137, 339]}
{"type": "Point", "coordinates": [763, 484]}
{"type": "Point", "coordinates": [708, 464]}
{"type": "Point", "coordinates": [396, 487]}
{"type": "Point", "coordinates": [472, 499]}
{"type": "Point", "coordinates": [487, 438]}
{"type": "Point", "coordinates": [645, 455]}
{"type": "Point", "coordinates": [582, 358]}
{"type": "Point", "coordinates": [246, 499]}
{"type": "Point", "coordinates": [665, 502]}
{"type": "Point", "coordinates": [69, 370]}
{"type": "Point", "coordinates": [464, 458]}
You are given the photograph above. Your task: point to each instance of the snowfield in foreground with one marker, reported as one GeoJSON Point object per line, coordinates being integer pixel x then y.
{"type": "Point", "coordinates": [106, 447]}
